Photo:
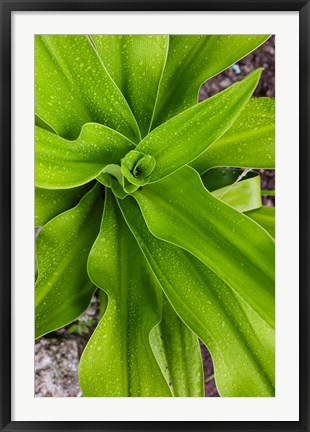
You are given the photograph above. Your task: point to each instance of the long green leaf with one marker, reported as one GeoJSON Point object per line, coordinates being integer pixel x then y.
{"type": "Point", "coordinates": [240, 341]}
{"type": "Point", "coordinates": [64, 164]}
{"type": "Point", "coordinates": [249, 143]}
{"type": "Point", "coordinates": [136, 64]}
{"type": "Point", "coordinates": [178, 353]}
{"type": "Point", "coordinates": [186, 136]}
{"type": "Point", "coordinates": [63, 289]}
{"type": "Point", "coordinates": [73, 88]}
{"type": "Point", "coordinates": [193, 60]}
{"type": "Point", "coordinates": [50, 203]}
{"type": "Point", "coordinates": [180, 210]}
{"type": "Point", "coordinates": [264, 216]}
{"type": "Point", "coordinates": [118, 360]}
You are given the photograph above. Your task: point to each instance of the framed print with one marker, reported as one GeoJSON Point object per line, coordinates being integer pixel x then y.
{"type": "Point", "coordinates": [148, 282]}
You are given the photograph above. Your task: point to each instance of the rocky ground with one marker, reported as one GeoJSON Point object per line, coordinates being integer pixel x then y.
{"type": "Point", "coordinates": [57, 355]}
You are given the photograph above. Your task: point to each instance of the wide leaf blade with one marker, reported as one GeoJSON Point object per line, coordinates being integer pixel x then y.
{"type": "Point", "coordinates": [183, 138]}
{"type": "Point", "coordinates": [178, 353]}
{"type": "Point", "coordinates": [240, 341]}
{"type": "Point", "coordinates": [135, 62]}
{"type": "Point", "coordinates": [50, 203]}
{"type": "Point", "coordinates": [249, 143]}
{"type": "Point", "coordinates": [64, 164]}
{"type": "Point", "coordinates": [118, 360]}
{"type": "Point", "coordinates": [265, 217]}
{"type": "Point", "coordinates": [193, 60]}
{"type": "Point", "coordinates": [63, 289]}
{"type": "Point", "coordinates": [73, 88]}
{"type": "Point", "coordinates": [180, 210]}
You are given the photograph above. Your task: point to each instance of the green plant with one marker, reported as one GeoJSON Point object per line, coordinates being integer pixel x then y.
{"type": "Point", "coordinates": [82, 327]}
{"type": "Point", "coordinates": [132, 199]}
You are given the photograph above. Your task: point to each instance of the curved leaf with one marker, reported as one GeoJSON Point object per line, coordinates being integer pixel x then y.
{"type": "Point", "coordinates": [240, 341]}
{"type": "Point", "coordinates": [118, 360]}
{"type": "Point", "coordinates": [193, 60]}
{"type": "Point", "coordinates": [180, 210]}
{"type": "Point", "coordinates": [243, 195]}
{"type": "Point", "coordinates": [74, 88]}
{"type": "Point", "coordinates": [63, 289]}
{"type": "Point", "coordinates": [265, 217]}
{"type": "Point", "coordinates": [50, 203]}
{"type": "Point", "coordinates": [64, 164]}
{"type": "Point", "coordinates": [42, 124]}
{"type": "Point", "coordinates": [178, 353]}
{"type": "Point", "coordinates": [217, 178]}
{"type": "Point", "coordinates": [136, 64]}
{"type": "Point", "coordinates": [249, 143]}
{"type": "Point", "coordinates": [183, 138]}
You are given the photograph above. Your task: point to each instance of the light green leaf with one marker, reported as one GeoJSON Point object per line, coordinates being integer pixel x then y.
{"type": "Point", "coordinates": [268, 192]}
{"type": "Point", "coordinates": [178, 353]}
{"type": "Point", "coordinates": [264, 216]}
{"type": "Point", "coordinates": [180, 210]}
{"type": "Point", "coordinates": [243, 195]}
{"type": "Point", "coordinates": [50, 203]}
{"type": "Point", "coordinates": [63, 289]}
{"type": "Point", "coordinates": [193, 60]}
{"type": "Point", "coordinates": [240, 341]}
{"type": "Point", "coordinates": [42, 124]}
{"type": "Point", "coordinates": [73, 88]}
{"type": "Point", "coordinates": [183, 138]}
{"type": "Point", "coordinates": [118, 360]}
{"type": "Point", "coordinates": [136, 64]}
{"type": "Point", "coordinates": [249, 143]}
{"type": "Point", "coordinates": [62, 164]}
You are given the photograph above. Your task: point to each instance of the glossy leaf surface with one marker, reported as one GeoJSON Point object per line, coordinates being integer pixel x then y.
{"type": "Point", "coordinates": [136, 64]}
{"type": "Point", "coordinates": [178, 352]}
{"type": "Point", "coordinates": [50, 203]}
{"type": "Point", "coordinates": [249, 143]}
{"type": "Point", "coordinates": [264, 216]}
{"type": "Point", "coordinates": [240, 341]}
{"type": "Point", "coordinates": [73, 88]}
{"type": "Point", "coordinates": [180, 210]}
{"type": "Point", "coordinates": [183, 138]}
{"type": "Point", "coordinates": [118, 360]}
{"type": "Point", "coordinates": [193, 60]}
{"type": "Point", "coordinates": [64, 164]}
{"type": "Point", "coordinates": [63, 289]}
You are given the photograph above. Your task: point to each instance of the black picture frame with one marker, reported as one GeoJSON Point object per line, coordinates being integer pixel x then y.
{"type": "Point", "coordinates": [9, 6]}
